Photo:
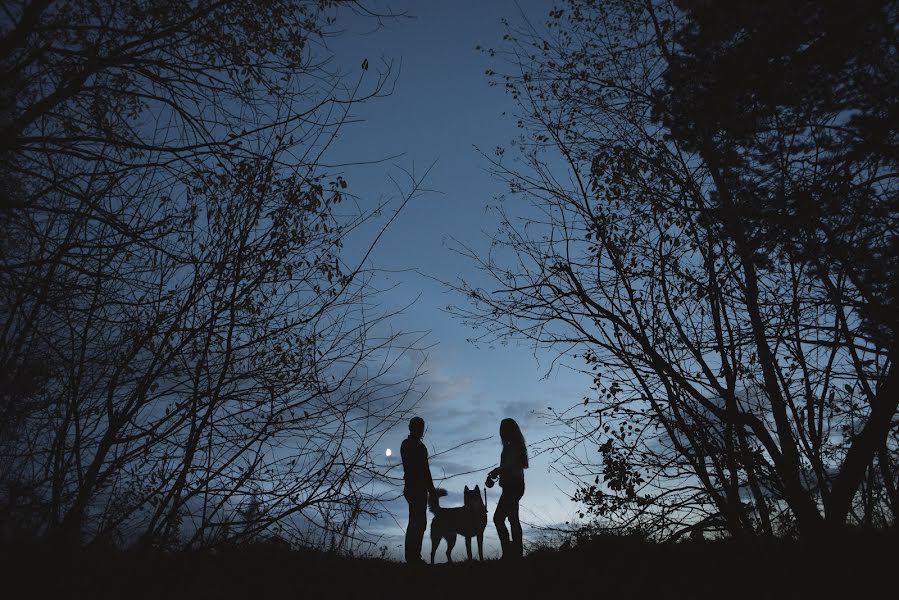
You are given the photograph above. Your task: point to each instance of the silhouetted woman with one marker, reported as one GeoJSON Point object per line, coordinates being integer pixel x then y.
{"type": "Point", "coordinates": [512, 463]}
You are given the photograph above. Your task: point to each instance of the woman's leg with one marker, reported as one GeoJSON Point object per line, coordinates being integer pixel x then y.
{"type": "Point", "coordinates": [499, 517]}
{"type": "Point", "coordinates": [515, 524]}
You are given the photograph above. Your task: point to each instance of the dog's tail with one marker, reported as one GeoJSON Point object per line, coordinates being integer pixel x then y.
{"type": "Point", "coordinates": [434, 500]}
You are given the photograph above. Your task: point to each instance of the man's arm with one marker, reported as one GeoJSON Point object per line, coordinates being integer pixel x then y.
{"type": "Point", "coordinates": [427, 469]}
{"type": "Point", "coordinates": [404, 455]}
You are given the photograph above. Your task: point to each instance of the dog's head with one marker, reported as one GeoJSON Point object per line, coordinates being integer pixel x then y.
{"type": "Point", "coordinates": [473, 498]}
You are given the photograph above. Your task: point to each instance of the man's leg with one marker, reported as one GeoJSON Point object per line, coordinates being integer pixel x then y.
{"type": "Point", "coordinates": [415, 530]}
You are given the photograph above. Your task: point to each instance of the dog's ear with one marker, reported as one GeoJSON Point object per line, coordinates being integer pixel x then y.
{"type": "Point", "coordinates": [466, 489]}
{"type": "Point", "coordinates": [477, 490]}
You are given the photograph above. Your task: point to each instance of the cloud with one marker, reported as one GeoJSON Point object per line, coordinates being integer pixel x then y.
{"type": "Point", "coordinates": [443, 389]}
{"type": "Point", "coordinates": [440, 468]}
{"type": "Point", "coordinates": [524, 411]}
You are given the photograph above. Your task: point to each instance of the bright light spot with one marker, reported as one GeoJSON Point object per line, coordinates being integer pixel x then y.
{"type": "Point", "coordinates": [388, 453]}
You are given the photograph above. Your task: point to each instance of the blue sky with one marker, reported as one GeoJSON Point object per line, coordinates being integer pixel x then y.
{"type": "Point", "coordinates": [441, 110]}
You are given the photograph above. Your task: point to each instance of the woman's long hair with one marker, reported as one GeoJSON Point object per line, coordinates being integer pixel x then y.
{"type": "Point", "coordinates": [510, 433]}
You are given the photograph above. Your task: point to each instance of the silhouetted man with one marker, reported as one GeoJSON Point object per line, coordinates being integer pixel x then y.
{"type": "Point", "coordinates": [418, 484]}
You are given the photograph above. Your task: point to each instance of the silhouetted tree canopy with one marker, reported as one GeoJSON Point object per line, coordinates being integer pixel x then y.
{"type": "Point", "coordinates": [810, 87]}
{"type": "Point", "coordinates": [705, 214]}
{"type": "Point", "coordinates": [188, 355]}
{"type": "Point", "coordinates": [797, 103]}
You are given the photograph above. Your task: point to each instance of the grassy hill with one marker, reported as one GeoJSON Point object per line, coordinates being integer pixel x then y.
{"type": "Point", "coordinates": [619, 568]}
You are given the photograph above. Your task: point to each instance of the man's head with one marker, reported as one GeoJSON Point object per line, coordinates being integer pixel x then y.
{"type": "Point", "coordinates": [416, 427]}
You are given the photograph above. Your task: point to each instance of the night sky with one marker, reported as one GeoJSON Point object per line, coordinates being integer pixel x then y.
{"type": "Point", "coordinates": [442, 109]}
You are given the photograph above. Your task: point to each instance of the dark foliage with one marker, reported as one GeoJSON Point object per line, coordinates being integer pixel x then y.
{"type": "Point", "coordinates": [703, 210]}
{"type": "Point", "coordinates": [188, 355]}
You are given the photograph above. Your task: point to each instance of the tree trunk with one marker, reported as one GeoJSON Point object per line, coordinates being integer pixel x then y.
{"type": "Point", "coordinates": [864, 446]}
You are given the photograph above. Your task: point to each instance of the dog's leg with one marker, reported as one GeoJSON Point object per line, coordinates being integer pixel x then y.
{"type": "Point", "coordinates": [481, 546]}
{"type": "Point", "coordinates": [450, 542]}
{"type": "Point", "coordinates": [435, 541]}
{"type": "Point", "coordinates": [468, 546]}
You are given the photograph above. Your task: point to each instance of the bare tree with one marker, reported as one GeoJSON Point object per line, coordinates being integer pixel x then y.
{"type": "Point", "coordinates": [736, 387]}
{"type": "Point", "coordinates": [189, 354]}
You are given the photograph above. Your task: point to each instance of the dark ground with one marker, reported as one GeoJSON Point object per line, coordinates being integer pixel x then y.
{"type": "Point", "coordinates": [855, 567]}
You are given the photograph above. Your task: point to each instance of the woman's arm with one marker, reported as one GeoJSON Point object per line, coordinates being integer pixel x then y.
{"type": "Point", "coordinates": [501, 468]}
{"type": "Point", "coordinates": [511, 462]}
